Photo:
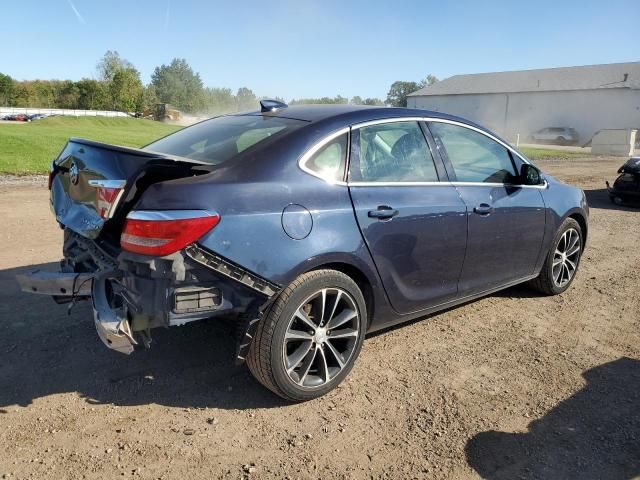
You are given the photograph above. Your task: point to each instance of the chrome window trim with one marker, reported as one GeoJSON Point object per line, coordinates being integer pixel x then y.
{"type": "Point", "coordinates": [306, 156]}
{"type": "Point", "coordinates": [512, 185]}
{"type": "Point", "coordinates": [160, 215]}
{"type": "Point", "coordinates": [400, 184]}
{"type": "Point", "coordinates": [318, 145]}
{"type": "Point", "coordinates": [443, 184]}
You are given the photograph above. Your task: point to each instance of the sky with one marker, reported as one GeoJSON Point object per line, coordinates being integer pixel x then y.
{"type": "Point", "coordinates": [314, 48]}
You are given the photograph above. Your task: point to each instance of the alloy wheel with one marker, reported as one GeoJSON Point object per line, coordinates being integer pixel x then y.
{"type": "Point", "coordinates": [566, 257]}
{"type": "Point", "coordinates": [321, 337]}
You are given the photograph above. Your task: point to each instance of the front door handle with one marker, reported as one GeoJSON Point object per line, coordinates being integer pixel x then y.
{"type": "Point", "coordinates": [483, 209]}
{"type": "Point", "coordinates": [383, 212]}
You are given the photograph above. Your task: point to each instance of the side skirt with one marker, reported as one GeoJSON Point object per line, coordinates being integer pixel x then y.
{"type": "Point", "coordinates": [453, 303]}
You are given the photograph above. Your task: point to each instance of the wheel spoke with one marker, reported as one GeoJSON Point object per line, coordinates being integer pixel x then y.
{"type": "Point", "coordinates": [565, 278]}
{"type": "Point", "coordinates": [335, 305]}
{"type": "Point", "coordinates": [335, 354]}
{"type": "Point", "coordinates": [344, 333]}
{"type": "Point", "coordinates": [323, 307]}
{"type": "Point", "coordinates": [342, 318]}
{"type": "Point", "coordinates": [297, 335]}
{"type": "Point", "coordinates": [298, 355]}
{"type": "Point", "coordinates": [573, 240]}
{"type": "Point", "coordinates": [575, 249]}
{"type": "Point", "coordinates": [306, 365]}
{"type": "Point", "coordinates": [572, 265]}
{"type": "Point", "coordinates": [324, 368]}
{"type": "Point", "coordinates": [556, 274]}
{"type": "Point", "coordinates": [557, 261]}
{"type": "Point", "coordinates": [301, 314]}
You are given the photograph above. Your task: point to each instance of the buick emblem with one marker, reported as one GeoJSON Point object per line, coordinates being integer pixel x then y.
{"type": "Point", "coordinates": [74, 173]}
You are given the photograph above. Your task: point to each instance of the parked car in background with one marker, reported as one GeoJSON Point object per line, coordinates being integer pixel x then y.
{"type": "Point", "coordinates": [626, 188]}
{"type": "Point", "coordinates": [556, 136]}
{"type": "Point", "coordinates": [309, 226]}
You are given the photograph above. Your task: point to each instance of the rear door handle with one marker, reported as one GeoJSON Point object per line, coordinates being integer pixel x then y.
{"type": "Point", "coordinates": [383, 212]}
{"type": "Point", "coordinates": [483, 209]}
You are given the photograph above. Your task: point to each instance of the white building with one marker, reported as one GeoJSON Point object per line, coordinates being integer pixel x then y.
{"type": "Point", "coordinates": [587, 98]}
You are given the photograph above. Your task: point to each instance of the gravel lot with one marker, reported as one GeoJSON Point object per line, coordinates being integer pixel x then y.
{"type": "Point", "coordinates": [510, 386]}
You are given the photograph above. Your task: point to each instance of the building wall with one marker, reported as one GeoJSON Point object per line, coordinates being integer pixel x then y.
{"type": "Point", "coordinates": [509, 114]}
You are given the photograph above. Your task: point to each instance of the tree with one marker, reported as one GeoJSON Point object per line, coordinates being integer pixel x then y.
{"type": "Point", "coordinates": [110, 64]}
{"type": "Point", "coordinates": [92, 94]}
{"type": "Point", "coordinates": [67, 94]}
{"type": "Point", "coordinates": [357, 100]}
{"type": "Point", "coordinates": [178, 85]}
{"type": "Point", "coordinates": [126, 90]}
{"type": "Point", "coordinates": [6, 89]}
{"type": "Point", "coordinates": [246, 99]}
{"type": "Point", "coordinates": [397, 96]}
{"type": "Point", "coordinates": [218, 101]}
{"type": "Point", "coordinates": [428, 81]}
{"type": "Point", "coordinates": [373, 101]}
{"type": "Point", "coordinates": [149, 98]}
{"type": "Point", "coordinates": [324, 100]}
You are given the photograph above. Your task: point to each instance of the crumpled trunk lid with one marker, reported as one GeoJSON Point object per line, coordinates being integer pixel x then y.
{"type": "Point", "coordinates": [95, 184]}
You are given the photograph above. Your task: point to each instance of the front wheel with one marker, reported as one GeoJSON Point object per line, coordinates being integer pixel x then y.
{"type": "Point", "coordinates": [563, 259]}
{"type": "Point", "coordinates": [311, 336]}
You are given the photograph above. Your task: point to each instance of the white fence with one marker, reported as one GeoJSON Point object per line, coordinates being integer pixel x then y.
{"type": "Point", "coordinates": [61, 111]}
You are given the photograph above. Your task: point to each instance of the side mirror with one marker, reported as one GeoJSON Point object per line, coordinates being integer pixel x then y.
{"type": "Point", "coordinates": [530, 175]}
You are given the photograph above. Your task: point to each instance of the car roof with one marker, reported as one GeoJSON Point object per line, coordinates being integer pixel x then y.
{"type": "Point", "coordinates": [349, 113]}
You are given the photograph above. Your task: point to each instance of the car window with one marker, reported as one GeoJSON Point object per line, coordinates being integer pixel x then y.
{"type": "Point", "coordinates": [221, 139]}
{"type": "Point", "coordinates": [329, 162]}
{"type": "Point", "coordinates": [393, 152]}
{"type": "Point", "coordinates": [474, 156]}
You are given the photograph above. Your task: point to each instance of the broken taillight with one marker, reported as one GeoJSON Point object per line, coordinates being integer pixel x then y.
{"type": "Point", "coordinates": [106, 200]}
{"type": "Point", "coordinates": [161, 233]}
{"type": "Point", "coordinates": [108, 194]}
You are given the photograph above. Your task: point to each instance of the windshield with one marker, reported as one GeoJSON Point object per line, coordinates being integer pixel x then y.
{"type": "Point", "coordinates": [220, 139]}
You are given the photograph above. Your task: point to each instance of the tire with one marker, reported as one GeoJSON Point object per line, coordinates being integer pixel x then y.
{"type": "Point", "coordinates": [278, 356]}
{"type": "Point", "coordinates": [547, 282]}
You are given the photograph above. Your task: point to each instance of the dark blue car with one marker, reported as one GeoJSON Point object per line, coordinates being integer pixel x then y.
{"type": "Point", "coordinates": [309, 226]}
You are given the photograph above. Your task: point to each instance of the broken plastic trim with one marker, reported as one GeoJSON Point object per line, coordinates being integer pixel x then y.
{"type": "Point", "coordinates": [113, 330]}
{"type": "Point", "coordinates": [232, 271]}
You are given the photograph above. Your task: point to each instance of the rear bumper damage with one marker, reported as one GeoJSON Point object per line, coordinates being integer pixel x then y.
{"type": "Point", "coordinates": [139, 293]}
{"type": "Point", "coordinates": [113, 328]}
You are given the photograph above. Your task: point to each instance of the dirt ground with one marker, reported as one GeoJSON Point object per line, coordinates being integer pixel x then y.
{"type": "Point", "coordinates": [511, 386]}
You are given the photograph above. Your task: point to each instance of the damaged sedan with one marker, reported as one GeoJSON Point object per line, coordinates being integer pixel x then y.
{"type": "Point", "coordinates": [307, 227]}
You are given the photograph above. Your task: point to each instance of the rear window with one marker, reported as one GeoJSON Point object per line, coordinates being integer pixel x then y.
{"type": "Point", "coordinates": [220, 139]}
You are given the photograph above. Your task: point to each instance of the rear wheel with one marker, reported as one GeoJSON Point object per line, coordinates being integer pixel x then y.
{"type": "Point", "coordinates": [309, 340]}
{"type": "Point", "coordinates": [563, 259]}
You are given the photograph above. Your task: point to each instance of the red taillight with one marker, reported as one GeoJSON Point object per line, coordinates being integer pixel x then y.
{"type": "Point", "coordinates": [162, 233]}
{"type": "Point", "coordinates": [105, 200]}
{"type": "Point", "coordinates": [52, 174]}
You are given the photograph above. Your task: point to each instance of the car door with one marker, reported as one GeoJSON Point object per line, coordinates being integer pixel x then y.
{"type": "Point", "coordinates": [411, 217]}
{"type": "Point", "coordinates": [506, 220]}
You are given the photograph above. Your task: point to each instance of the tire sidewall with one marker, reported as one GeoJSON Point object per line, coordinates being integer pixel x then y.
{"type": "Point", "coordinates": [332, 279]}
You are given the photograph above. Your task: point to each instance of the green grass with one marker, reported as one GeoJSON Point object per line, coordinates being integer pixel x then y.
{"type": "Point", "coordinates": [545, 154]}
{"type": "Point", "coordinates": [29, 148]}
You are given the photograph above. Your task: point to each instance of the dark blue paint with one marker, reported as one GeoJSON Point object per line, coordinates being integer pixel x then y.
{"type": "Point", "coordinates": [419, 253]}
{"type": "Point", "coordinates": [503, 244]}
